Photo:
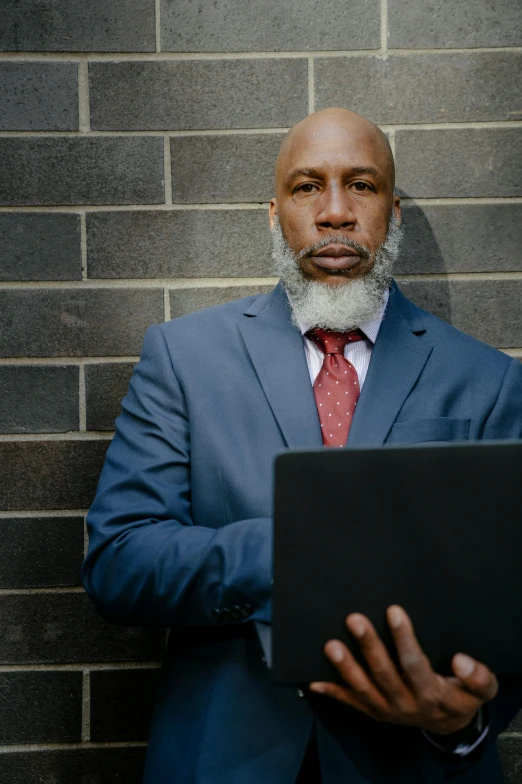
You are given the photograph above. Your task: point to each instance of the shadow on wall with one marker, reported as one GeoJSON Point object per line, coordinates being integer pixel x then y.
{"type": "Point", "coordinates": [421, 255]}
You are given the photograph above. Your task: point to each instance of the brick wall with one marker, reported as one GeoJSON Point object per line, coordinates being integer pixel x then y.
{"type": "Point", "coordinates": [136, 151]}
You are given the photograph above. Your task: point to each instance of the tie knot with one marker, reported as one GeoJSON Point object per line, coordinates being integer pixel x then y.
{"type": "Point", "coordinates": [333, 342]}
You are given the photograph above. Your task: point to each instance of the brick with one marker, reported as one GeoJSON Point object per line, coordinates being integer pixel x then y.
{"type": "Point", "coordinates": [224, 168]}
{"type": "Point", "coordinates": [40, 707]}
{"type": "Point", "coordinates": [461, 238]}
{"type": "Point", "coordinates": [510, 750]}
{"type": "Point", "coordinates": [184, 301]}
{"type": "Point", "coordinates": [427, 24]}
{"type": "Point", "coordinates": [417, 88]}
{"type": "Point", "coordinates": [75, 26]}
{"type": "Point", "coordinates": [76, 322]}
{"type": "Point", "coordinates": [265, 26]}
{"type": "Point", "coordinates": [198, 94]}
{"type": "Point", "coordinates": [42, 246]}
{"type": "Point", "coordinates": [516, 724]}
{"type": "Point", "coordinates": [459, 163]}
{"type": "Point", "coordinates": [65, 627]}
{"type": "Point", "coordinates": [49, 474]}
{"type": "Point", "coordinates": [38, 97]}
{"type": "Point", "coordinates": [91, 766]}
{"type": "Point", "coordinates": [38, 399]}
{"type": "Point", "coordinates": [68, 170]}
{"type": "Point", "coordinates": [487, 309]}
{"type": "Point", "coordinates": [38, 552]}
{"type": "Point", "coordinates": [121, 704]}
{"type": "Point", "coordinates": [178, 244]}
{"type": "Point", "coordinates": [105, 386]}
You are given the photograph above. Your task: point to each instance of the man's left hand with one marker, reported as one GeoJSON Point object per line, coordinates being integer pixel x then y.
{"type": "Point", "coordinates": [416, 696]}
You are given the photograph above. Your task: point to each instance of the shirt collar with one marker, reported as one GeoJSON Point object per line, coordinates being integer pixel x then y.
{"type": "Point", "coordinates": [370, 328]}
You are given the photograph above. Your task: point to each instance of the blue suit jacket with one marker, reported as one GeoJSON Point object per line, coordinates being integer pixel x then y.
{"type": "Point", "coordinates": [181, 528]}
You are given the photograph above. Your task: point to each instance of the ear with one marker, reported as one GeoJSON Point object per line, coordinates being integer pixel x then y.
{"type": "Point", "coordinates": [397, 209]}
{"type": "Point", "coordinates": [272, 212]}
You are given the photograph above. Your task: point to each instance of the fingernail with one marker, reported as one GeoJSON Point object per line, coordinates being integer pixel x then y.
{"type": "Point", "coordinates": [318, 687]}
{"type": "Point", "coordinates": [463, 665]}
{"type": "Point", "coordinates": [395, 617]}
{"type": "Point", "coordinates": [357, 626]}
{"type": "Point", "coordinates": [335, 652]}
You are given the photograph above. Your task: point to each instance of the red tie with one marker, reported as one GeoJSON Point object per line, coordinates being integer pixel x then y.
{"type": "Point", "coordinates": [336, 387]}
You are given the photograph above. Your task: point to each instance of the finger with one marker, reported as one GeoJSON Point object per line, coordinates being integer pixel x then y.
{"type": "Point", "coordinates": [417, 670]}
{"type": "Point", "coordinates": [345, 696]}
{"type": "Point", "coordinates": [354, 676]}
{"type": "Point", "coordinates": [382, 669]}
{"type": "Point", "coordinates": [475, 677]}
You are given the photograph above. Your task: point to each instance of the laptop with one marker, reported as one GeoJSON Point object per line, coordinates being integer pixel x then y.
{"type": "Point", "coordinates": [435, 528]}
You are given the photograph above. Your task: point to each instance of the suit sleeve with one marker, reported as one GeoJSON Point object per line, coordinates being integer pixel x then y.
{"type": "Point", "coordinates": [147, 563]}
{"type": "Point", "coordinates": [505, 418]}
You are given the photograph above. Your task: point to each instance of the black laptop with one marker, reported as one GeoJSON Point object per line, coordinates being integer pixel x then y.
{"type": "Point", "coordinates": [434, 528]}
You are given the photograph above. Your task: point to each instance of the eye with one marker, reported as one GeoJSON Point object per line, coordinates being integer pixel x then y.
{"type": "Point", "coordinates": [306, 188]}
{"type": "Point", "coordinates": [361, 186]}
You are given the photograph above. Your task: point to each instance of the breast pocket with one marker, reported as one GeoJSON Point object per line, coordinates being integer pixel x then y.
{"type": "Point", "coordinates": [417, 431]}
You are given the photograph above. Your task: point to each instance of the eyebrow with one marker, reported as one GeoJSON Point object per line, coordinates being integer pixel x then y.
{"type": "Point", "coordinates": [317, 174]}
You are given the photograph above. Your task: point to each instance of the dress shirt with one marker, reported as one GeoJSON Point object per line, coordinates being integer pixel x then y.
{"type": "Point", "coordinates": [359, 354]}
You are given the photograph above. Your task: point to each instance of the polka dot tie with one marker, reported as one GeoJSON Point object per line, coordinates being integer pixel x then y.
{"type": "Point", "coordinates": [336, 387]}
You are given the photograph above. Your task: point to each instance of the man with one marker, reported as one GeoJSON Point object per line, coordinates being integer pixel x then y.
{"type": "Point", "coordinates": [180, 531]}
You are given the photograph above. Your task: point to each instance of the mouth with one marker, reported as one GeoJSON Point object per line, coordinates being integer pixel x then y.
{"type": "Point", "coordinates": [336, 258]}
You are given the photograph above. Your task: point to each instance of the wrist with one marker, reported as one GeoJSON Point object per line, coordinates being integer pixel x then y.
{"type": "Point", "coordinates": [467, 736]}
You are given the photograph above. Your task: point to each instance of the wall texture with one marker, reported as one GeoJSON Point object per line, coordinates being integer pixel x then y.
{"type": "Point", "coordinates": [136, 151]}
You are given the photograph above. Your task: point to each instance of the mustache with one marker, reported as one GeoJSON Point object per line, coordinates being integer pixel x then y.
{"type": "Point", "coordinates": [332, 239]}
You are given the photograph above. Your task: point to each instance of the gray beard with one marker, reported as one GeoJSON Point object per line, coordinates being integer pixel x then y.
{"type": "Point", "coordinates": [339, 307]}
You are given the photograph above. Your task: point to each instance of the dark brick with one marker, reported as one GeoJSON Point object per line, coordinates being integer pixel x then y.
{"type": "Point", "coordinates": [461, 238]}
{"type": "Point", "coordinates": [71, 170]}
{"type": "Point", "coordinates": [184, 301]}
{"type": "Point", "coordinates": [40, 552]}
{"type": "Point", "coordinates": [40, 707]}
{"type": "Point", "coordinates": [76, 322]}
{"type": "Point", "coordinates": [40, 246]}
{"type": "Point", "coordinates": [65, 627]}
{"type": "Point", "coordinates": [38, 399]}
{"type": "Point", "coordinates": [88, 766]}
{"type": "Point", "coordinates": [178, 244]}
{"type": "Point", "coordinates": [224, 168]}
{"type": "Point", "coordinates": [429, 23]}
{"type": "Point", "coordinates": [459, 163]}
{"type": "Point", "coordinates": [49, 474]}
{"type": "Point", "coordinates": [265, 26]}
{"type": "Point", "coordinates": [516, 724]}
{"type": "Point", "coordinates": [487, 309]}
{"type": "Point", "coordinates": [105, 386]}
{"type": "Point", "coordinates": [38, 97]}
{"type": "Point", "coordinates": [76, 26]}
{"type": "Point", "coordinates": [121, 704]}
{"type": "Point", "coordinates": [419, 88]}
{"type": "Point", "coordinates": [510, 749]}
{"type": "Point", "coordinates": [198, 94]}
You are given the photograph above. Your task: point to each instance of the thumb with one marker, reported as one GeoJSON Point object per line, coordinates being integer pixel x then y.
{"type": "Point", "coordinates": [475, 677]}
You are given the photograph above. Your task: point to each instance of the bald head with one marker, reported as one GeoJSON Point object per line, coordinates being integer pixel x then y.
{"type": "Point", "coordinates": [334, 128]}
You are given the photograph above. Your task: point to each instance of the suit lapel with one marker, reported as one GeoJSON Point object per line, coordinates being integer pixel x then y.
{"type": "Point", "coordinates": [276, 349]}
{"type": "Point", "coordinates": [398, 358]}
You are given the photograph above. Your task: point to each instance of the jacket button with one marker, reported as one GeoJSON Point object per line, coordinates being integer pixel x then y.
{"type": "Point", "coordinates": [237, 612]}
{"type": "Point", "coordinates": [216, 615]}
{"type": "Point", "coordinates": [226, 614]}
{"type": "Point", "coordinates": [245, 610]}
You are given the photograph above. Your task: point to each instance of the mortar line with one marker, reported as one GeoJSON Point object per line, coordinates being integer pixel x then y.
{"type": "Point", "coordinates": [29, 747]}
{"type": "Point", "coordinates": [391, 139]}
{"type": "Point", "coordinates": [384, 26]}
{"type": "Point", "coordinates": [67, 361]}
{"type": "Point", "coordinates": [516, 353]}
{"type": "Point", "coordinates": [6, 515]}
{"type": "Point", "coordinates": [83, 243]}
{"type": "Point", "coordinates": [166, 304]}
{"type": "Point", "coordinates": [89, 435]}
{"type": "Point", "coordinates": [157, 20]}
{"type": "Point", "coordinates": [84, 108]}
{"type": "Point", "coordinates": [220, 56]}
{"type": "Point", "coordinates": [85, 536]}
{"type": "Point", "coordinates": [86, 707]}
{"type": "Point", "coordinates": [311, 86]}
{"type": "Point", "coordinates": [167, 171]}
{"type": "Point", "coordinates": [82, 402]}
{"type": "Point", "coordinates": [80, 667]}
{"type": "Point", "coordinates": [32, 591]}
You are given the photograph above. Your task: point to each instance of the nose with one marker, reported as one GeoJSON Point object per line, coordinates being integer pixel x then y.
{"type": "Point", "coordinates": [335, 209]}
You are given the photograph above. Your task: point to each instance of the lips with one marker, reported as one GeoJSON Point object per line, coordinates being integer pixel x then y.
{"type": "Point", "coordinates": [336, 257]}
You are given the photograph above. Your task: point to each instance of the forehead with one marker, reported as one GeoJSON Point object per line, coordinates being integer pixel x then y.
{"type": "Point", "coordinates": [332, 146]}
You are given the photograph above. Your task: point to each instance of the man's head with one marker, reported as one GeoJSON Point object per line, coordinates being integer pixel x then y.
{"type": "Point", "coordinates": [335, 219]}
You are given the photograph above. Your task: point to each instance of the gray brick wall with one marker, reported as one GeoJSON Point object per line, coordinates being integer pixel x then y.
{"type": "Point", "coordinates": [137, 139]}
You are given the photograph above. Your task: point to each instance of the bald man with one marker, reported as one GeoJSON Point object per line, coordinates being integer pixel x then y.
{"type": "Point", "coordinates": [180, 530]}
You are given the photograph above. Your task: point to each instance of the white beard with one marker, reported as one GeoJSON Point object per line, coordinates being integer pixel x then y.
{"type": "Point", "coordinates": [340, 307]}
